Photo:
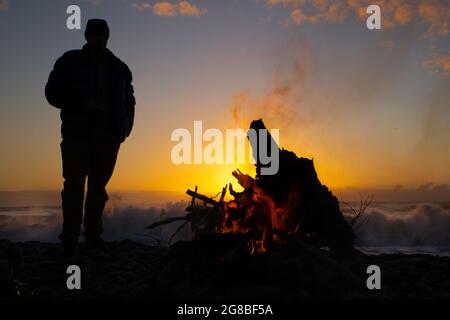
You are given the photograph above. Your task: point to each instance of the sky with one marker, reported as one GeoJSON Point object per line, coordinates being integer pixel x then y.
{"type": "Point", "coordinates": [372, 107]}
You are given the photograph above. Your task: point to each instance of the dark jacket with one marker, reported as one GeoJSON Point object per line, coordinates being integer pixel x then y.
{"type": "Point", "coordinates": [74, 80]}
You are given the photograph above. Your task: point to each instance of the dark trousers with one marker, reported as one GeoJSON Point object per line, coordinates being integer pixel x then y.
{"type": "Point", "coordinates": [92, 159]}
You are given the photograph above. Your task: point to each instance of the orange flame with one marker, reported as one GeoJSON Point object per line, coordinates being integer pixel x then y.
{"type": "Point", "coordinates": [255, 213]}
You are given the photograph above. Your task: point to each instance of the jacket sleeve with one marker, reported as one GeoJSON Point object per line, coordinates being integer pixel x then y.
{"type": "Point", "coordinates": [57, 90]}
{"type": "Point", "coordinates": [130, 100]}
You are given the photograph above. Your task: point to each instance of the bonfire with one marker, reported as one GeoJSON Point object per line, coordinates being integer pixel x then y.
{"type": "Point", "coordinates": [291, 203]}
{"type": "Point", "coordinates": [277, 219]}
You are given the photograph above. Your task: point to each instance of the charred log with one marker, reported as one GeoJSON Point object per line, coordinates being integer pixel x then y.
{"type": "Point", "coordinates": [317, 212]}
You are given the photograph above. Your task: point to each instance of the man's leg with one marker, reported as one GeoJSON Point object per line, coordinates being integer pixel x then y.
{"type": "Point", "coordinates": [102, 160]}
{"type": "Point", "coordinates": [74, 163]}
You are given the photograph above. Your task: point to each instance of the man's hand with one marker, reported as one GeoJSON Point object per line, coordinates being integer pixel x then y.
{"type": "Point", "coordinates": [94, 105]}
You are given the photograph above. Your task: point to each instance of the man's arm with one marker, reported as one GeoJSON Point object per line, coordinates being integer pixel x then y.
{"type": "Point", "coordinates": [57, 90]}
{"type": "Point", "coordinates": [129, 98]}
{"type": "Point", "coordinates": [53, 90]}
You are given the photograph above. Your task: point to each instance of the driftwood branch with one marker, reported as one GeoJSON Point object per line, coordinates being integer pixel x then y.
{"type": "Point", "coordinates": [194, 216]}
{"type": "Point", "coordinates": [167, 221]}
{"type": "Point", "coordinates": [359, 213]}
{"type": "Point", "coordinates": [199, 196]}
{"type": "Point", "coordinates": [176, 231]}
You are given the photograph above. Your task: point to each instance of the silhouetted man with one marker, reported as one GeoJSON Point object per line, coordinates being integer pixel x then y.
{"type": "Point", "coordinates": [92, 87]}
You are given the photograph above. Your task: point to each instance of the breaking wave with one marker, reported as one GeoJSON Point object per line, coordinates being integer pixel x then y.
{"type": "Point", "coordinates": [119, 221]}
{"type": "Point", "coordinates": [384, 224]}
{"type": "Point", "coordinates": [390, 224]}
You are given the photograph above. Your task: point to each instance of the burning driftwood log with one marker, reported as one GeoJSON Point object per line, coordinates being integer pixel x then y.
{"type": "Point", "coordinates": [316, 215]}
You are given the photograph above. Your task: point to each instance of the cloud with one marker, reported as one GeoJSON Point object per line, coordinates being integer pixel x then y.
{"type": "Point", "coordinates": [165, 9]}
{"type": "Point", "coordinates": [314, 11]}
{"type": "Point", "coordinates": [170, 9]}
{"type": "Point", "coordinates": [187, 9]}
{"type": "Point", "coordinates": [3, 5]}
{"type": "Point", "coordinates": [394, 13]}
{"type": "Point", "coordinates": [142, 6]}
{"type": "Point", "coordinates": [434, 14]}
{"type": "Point", "coordinates": [298, 16]}
{"type": "Point", "coordinates": [437, 16]}
{"type": "Point", "coordinates": [286, 3]}
{"type": "Point", "coordinates": [439, 65]}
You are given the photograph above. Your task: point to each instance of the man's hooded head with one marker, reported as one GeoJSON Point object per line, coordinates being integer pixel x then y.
{"type": "Point", "coordinates": [97, 33]}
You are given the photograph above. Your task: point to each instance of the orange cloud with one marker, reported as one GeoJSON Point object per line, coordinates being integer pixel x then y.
{"type": "Point", "coordinates": [403, 14]}
{"type": "Point", "coordinates": [165, 9]}
{"type": "Point", "coordinates": [169, 9]}
{"type": "Point", "coordinates": [4, 5]}
{"type": "Point", "coordinates": [439, 65]}
{"type": "Point", "coordinates": [315, 11]}
{"type": "Point", "coordinates": [187, 9]}
{"type": "Point", "coordinates": [437, 16]}
{"type": "Point", "coordinates": [298, 16]}
{"type": "Point", "coordinates": [433, 13]}
{"type": "Point", "coordinates": [393, 12]}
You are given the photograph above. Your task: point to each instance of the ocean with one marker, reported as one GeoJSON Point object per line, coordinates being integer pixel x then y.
{"type": "Point", "coordinates": [386, 227]}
